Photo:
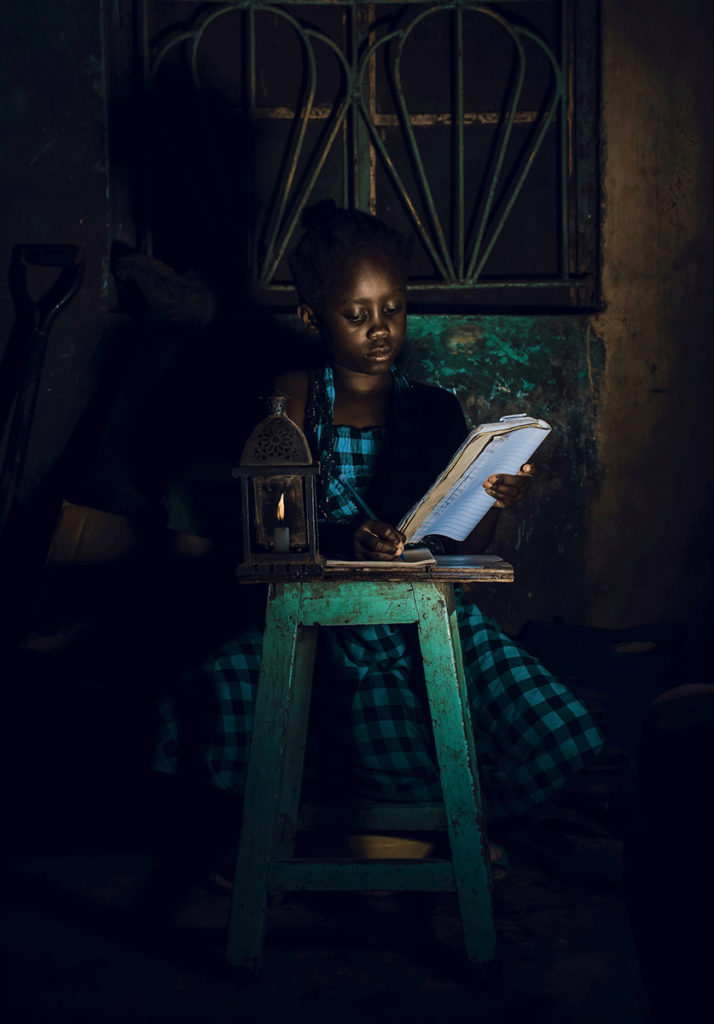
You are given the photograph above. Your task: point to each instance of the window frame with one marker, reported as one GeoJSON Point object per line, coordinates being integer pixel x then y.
{"type": "Point", "coordinates": [134, 56]}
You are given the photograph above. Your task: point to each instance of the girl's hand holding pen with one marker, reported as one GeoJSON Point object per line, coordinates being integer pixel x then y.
{"type": "Point", "coordinates": [375, 541]}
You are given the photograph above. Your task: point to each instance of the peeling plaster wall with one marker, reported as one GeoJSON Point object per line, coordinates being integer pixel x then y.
{"type": "Point", "coordinates": [649, 546]}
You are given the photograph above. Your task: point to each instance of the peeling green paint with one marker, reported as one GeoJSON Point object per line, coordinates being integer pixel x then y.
{"type": "Point", "coordinates": [496, 358]}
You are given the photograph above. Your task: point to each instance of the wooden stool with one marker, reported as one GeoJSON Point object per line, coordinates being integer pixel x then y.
{"type": "Point", "coordinates": [265, 862]}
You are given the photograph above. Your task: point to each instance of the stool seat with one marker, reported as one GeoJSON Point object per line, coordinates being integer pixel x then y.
{"type": "Point", "coordinates": [272, 812]}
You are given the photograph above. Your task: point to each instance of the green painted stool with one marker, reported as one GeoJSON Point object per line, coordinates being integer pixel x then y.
{"type": "Point", "coordinates": [272, 805]}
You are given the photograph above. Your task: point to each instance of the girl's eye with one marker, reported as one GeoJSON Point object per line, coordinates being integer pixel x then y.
{"type": "Point", "coordinates": [354, 318]}
{"type": "Point", "coordinates": [392, 310]}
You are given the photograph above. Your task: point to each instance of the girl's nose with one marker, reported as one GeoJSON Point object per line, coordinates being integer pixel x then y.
{"type": "Point", "coordinates": [378, 328]}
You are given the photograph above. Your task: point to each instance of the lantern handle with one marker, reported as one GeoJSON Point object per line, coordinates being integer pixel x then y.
{"type": "Point", "coordinates": [276, 403]}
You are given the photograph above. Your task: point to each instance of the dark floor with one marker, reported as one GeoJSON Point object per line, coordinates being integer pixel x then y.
{"type": "Point", "coordinates": [110, 915]}
{"type": "Point", "coordinates": [80, 947]}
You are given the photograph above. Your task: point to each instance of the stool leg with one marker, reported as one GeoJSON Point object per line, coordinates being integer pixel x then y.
{"type": "Point", "coordinates": [283, 654]}
{"type": "Point", "coordinates": [456, 754]}
{"type": "Point", "coordinates": [295, 742]}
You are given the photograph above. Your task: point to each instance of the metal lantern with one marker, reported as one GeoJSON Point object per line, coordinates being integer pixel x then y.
{"type": "Point", "coordinates": [278, 476]}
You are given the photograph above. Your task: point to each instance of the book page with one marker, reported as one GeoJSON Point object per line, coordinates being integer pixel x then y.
{"type": "Point", "coordinates": [455, 513]}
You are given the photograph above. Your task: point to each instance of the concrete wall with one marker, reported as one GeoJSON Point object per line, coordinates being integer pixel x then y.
{"type": "Point", "coordinates": [617, 530]}
{"type": "Point", "coordinates": [649, 543]}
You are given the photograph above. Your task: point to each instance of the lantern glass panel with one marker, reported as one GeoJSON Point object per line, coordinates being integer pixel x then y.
{"type": "Point", "coordinates": [268, 492]}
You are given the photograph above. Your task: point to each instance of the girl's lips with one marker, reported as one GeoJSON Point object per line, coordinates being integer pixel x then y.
{"type": "Point", "coordinates": [379, 353]}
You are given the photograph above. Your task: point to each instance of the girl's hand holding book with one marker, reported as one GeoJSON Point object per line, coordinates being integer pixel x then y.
{"type": "Point", "coordinates": [507, 489]}
{"type": "Point", "coordinates": [376, 541]}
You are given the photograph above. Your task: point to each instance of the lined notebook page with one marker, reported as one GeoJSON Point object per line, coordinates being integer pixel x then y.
{"type": "Point", "coordinates": [467, 503]}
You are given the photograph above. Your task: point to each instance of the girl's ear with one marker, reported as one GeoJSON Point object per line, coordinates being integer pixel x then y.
{"type": "Point", "coordinates": [307, 316]}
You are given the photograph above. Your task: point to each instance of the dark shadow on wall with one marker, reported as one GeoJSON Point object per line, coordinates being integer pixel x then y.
{"type": "Point", "coordinates": [180, 379]}
{"type": "Point", "coordinates": [180, 374]}
{"type": "Point", "coordinates": [181, 370]}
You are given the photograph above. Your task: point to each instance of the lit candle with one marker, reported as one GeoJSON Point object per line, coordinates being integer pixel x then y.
{"type": "Point", "coordinates": [281, 534]}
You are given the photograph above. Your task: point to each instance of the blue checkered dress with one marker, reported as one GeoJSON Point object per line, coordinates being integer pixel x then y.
{"type": "Point", "coordinates": [370, 729]}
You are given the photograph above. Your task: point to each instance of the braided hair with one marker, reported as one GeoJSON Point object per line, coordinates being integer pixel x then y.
{"type": "Point", "coordinates": [331, 235]}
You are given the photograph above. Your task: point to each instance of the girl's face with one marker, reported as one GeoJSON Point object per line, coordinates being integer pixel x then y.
{"type": "Point", "coordinates": [362, 319]}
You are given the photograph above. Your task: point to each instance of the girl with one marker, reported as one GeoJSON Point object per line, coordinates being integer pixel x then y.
{"type": "Point", "coordinates": [388, 437]}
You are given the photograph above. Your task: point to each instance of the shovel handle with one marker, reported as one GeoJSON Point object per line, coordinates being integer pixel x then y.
{"type": "Point", "coordinates": [69, 260]}
{"type": "Point", "coordinates": [21, 365]}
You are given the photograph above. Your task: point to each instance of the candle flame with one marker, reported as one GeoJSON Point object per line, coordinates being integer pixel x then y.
{"type": "Point", "coordinates": [281, 507]}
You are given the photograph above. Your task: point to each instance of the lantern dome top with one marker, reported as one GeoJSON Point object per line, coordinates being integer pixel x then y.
{"type": "Point", "coordinates": [276, 440]}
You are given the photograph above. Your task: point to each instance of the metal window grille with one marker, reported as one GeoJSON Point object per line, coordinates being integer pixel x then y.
{"type": "Point", "coordinates": [471, 126]}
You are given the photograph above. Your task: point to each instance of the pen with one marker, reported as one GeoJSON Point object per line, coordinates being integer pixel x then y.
{"type": "Point", "coordinates": [362, 504]}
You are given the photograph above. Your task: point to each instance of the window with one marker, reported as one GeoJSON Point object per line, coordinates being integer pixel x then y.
{"type": "Point", "coordinates": [471, 126]}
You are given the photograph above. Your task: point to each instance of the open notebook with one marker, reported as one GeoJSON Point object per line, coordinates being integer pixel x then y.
{"type": "Point", "coordinates": [456, 501]}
